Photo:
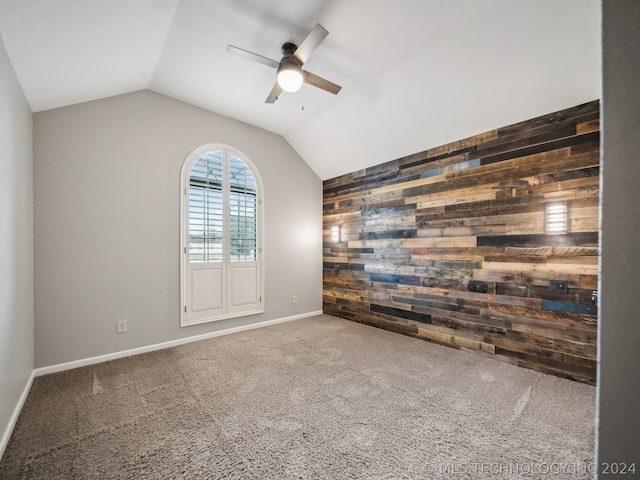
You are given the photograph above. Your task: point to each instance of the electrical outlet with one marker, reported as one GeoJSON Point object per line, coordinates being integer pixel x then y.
{"type": "Point", "coordinates": [557, 286]}
{"type": "Point", "coordinates": [121, 326]}
{"type": "Point", "coordinates": [294, 300]}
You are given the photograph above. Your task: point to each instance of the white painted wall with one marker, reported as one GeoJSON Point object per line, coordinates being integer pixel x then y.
{"type": "Point", "coordinates": [16, 244]}
{"type": "Point", "coordinates": [619, 334]}
{"type": "Point", "coordinates": [106, 182]}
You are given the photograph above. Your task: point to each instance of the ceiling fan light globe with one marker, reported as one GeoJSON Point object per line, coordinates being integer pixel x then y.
{"type": "Point", "coordinates": [290, 79]}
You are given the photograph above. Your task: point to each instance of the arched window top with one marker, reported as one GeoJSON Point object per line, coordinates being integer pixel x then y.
{"type": "Point", "coordinates": [221, 240]}
{"type": "Point", "coordinates": [243, 173]}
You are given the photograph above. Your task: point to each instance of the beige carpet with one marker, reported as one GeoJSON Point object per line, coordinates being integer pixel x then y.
{"type": "Point", "coordinates": [315, 398]}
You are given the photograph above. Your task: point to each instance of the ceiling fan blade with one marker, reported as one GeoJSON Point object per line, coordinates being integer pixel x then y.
{"type": "Point", "coordinates": [309, 44]}
{"type": "Point", "coordinates": [274, 94]}
{"type": "Point", "coordinates": [321, 83]}
{"type": "Point", "coordinates": [253, 56]}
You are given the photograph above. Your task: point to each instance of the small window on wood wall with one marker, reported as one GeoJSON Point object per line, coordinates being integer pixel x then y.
{"type": "Point", "coordinates": [221, 228]}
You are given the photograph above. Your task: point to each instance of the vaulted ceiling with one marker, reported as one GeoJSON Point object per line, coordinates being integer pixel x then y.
{"type": "Point", "coordinates": [415, 73]}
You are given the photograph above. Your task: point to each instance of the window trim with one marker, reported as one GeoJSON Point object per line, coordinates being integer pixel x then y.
{"type": "Point", "coordinates": [184, 230]}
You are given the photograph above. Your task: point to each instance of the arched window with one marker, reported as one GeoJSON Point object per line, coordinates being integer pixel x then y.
{"type": "Point", "coordinates": [220, 236]}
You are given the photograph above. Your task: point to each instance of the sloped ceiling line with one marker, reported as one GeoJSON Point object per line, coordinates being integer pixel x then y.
{"type": "Point", "coordinates": [415, 74]}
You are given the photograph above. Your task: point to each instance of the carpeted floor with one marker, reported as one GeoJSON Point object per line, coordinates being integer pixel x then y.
{"type": "Point", "coordinates": [315, 398]}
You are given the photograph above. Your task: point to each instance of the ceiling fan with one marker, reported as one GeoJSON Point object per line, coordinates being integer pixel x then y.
{"type": "Point", "coordinates": [290, 76]}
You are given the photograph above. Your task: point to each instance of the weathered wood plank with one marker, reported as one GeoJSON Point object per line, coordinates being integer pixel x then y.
{"type": "Point", "coordinates": [588, 282]}
{"type": "Point", "coordinates": [577, 112]}
{"type": "Point", "coordinates": [587, 239]}
{"type": "Point", "coordinates": [567, 142]}
{"type": "Point", "coordinates": [559, 268]}
{"type": "Point", "coordinates": [588, 127]}
{"type": "Point", "coordinates": [581, 371]}
{"type": "Point", "coordinates": [569, 307]}
{"type": "Point", "coordinates": [552, 251]}
{"type": "Point", "coordinates": [393, 278]}
{"type": "Point", "coordinates": [415, 242]}
{"type": "Point", "coordinates": [575, 295]}
{"type": "Point", "coordinates": [449, 336]}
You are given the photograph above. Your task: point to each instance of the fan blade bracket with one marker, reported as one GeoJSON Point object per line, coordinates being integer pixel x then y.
{"type": "Point", "coordinates": [309, 44]}
{"type": "Point", "coordinates": [274, 94]}
{"type": "Point", "coordinates": [321, 83]}
{"type": "Point", "coordinates": [253, 56]}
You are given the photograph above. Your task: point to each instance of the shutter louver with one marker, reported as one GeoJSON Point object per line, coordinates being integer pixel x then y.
{"type": "Point", "coordinates": [206, 241]}
{"type": "Point", "coordinates": [242, 210]}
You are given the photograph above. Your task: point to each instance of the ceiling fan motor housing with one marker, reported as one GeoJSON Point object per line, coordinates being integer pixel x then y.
{"type": "Point", "coordinates": [288, 49]}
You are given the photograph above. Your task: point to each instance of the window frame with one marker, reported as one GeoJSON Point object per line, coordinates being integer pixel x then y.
{"type": "Point", "coordinates": [185, 183]}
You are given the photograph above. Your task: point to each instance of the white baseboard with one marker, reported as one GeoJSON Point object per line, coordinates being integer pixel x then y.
{"type": "Point", "coordinates": [159, 346]}
{"type": "Point", "coordinates": [14, 416]}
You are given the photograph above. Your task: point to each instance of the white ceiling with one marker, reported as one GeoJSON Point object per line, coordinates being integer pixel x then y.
{"type": "Point", "coordinates": [415, 73]}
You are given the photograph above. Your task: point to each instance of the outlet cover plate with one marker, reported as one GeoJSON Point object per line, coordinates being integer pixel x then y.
{"type": "Point", "coordinates": [121, 326]}
{"type": "Point", "coordinates": [557, 286]}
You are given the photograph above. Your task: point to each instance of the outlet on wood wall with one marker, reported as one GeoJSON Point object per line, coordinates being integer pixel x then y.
{"type": "Point", "coordinates": [457, 245]}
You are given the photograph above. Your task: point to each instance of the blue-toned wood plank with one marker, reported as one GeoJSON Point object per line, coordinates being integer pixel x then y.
{"type": "Point", "coordinates": [569, 307]}
{"type": "Point", "coordinates": [393, 278]}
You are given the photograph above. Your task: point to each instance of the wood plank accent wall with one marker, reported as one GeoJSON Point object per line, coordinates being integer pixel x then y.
{"type": "Point", "coordinates": [450, 245]}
